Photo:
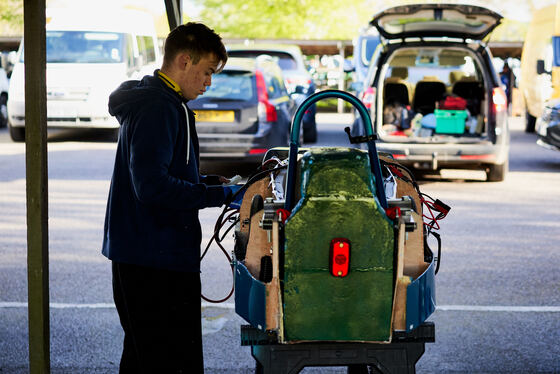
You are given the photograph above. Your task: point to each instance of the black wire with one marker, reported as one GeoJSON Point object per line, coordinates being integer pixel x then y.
{"type": "Point", "coordinates": [221, 221]}
{"type": "Point", "coordinates": [229, 229]}
{"type": "Point", "coordinates": [215, 237]}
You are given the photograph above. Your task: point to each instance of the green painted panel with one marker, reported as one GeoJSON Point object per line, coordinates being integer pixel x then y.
{"type": "Point", "coordinates": [338, 200]}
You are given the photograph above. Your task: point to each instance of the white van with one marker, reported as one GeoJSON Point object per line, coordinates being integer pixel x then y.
{"type": "Point", "coordinates": [89, 54]}
{"type": "Point", "coordinates": [540, 65]}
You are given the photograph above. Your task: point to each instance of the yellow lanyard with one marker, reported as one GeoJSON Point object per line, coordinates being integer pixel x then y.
{"type": "Point", "coordinates": [170, 82]}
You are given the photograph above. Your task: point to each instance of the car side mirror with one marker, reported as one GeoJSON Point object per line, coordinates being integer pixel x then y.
{"type": "Point", "coordinates": [540, 67]}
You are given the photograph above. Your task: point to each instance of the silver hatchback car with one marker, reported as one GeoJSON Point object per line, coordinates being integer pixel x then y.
{"type": "Point", "coordinates": [435, 98]}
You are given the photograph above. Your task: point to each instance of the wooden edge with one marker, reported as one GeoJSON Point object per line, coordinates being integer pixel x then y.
{"type": "Point", "coordinates": [397, 315]}
{"type": "Point", "coordinates": [257, 245]}
{"type": "Point", "coordinates": [414, 264]}
{"type": "Point", "coordinates": [279, 313]}
{"type": "Point", "coordinates": [260, 187]}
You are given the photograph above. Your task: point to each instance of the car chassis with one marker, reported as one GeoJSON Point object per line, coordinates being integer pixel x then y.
{"type": "Point", "coordinates": [329, 270]}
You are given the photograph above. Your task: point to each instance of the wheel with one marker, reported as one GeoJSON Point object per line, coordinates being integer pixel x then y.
{"type": "Point", "coordinates": [358, 369]}
{"type": "Point", "coordinates": [17, 133]}
{"type": "Point", "coordinates": [530, 123]}
{"type": "Point", "coordinates": [258, 368]}
{"type": "Point", "coordinates": [497, 173]}
{"type": "Point", "coordinates": [3, 111]}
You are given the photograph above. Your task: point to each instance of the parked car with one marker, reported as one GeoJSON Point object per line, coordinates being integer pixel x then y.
{"type": "Point", "coordinates": [296, 76]}
{"type": "Point", "coordinates": [88, 55]}
{"type": "Point", "coordinates": [245, 111]}
{"type": "Point", "coordinates": [4, 86]}
{"type": "Point", "coordinates": [548, 126]}
{"type": "Point", "coordinates": [364, 46]}
{"type": "Point", "coordinates": [435, 98]}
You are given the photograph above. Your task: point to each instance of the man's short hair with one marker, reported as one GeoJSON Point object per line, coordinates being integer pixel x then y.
{"type": "Point", "coordinates": [196, 39]}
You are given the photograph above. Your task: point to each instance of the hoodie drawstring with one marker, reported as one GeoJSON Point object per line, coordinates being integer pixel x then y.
{"type": "Point", "coordinates": [188, 132]}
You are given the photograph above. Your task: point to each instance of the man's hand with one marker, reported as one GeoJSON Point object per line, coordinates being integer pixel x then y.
{"type": "Point", "coordinates": [230, 182]}
{"type": "Point", "coordinates": [236, 196]}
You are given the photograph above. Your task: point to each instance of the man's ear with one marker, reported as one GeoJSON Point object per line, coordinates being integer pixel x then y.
{"type": "Point", "coordinates": [184, 60]}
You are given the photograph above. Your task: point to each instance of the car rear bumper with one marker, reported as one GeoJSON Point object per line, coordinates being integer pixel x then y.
{"type": "Point", "coordinates": [438, 156]}
{"type": "Point", "coordinates": [242, 147]}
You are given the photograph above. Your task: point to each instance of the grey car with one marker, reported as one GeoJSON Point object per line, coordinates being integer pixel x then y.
{"type": "Point", "coordinates": [297, 78]}
{"type": "Point", "coordinates": [245, 111]}
{"type": "Point", "coordinates": [433, 93]}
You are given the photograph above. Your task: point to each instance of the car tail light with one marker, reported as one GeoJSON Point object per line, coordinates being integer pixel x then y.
{"type": "Point", "coordinates": [298, 81]}
{"type": "Point", "coordinates": [257, 151]}
{"type": "Point", "coordinates": [368, 97]}
{"type": "Point", "coordinates": [339, 257]}
{"type": "Point", "coordinates": [499, 99]}
{"type": "Point", "coordinates": [266, 111]}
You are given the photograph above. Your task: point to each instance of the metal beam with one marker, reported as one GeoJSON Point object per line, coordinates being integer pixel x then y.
{"type": "Point", "coordinates": [174, 10]}
{"type": "Point", "coordinates": [36, 186]}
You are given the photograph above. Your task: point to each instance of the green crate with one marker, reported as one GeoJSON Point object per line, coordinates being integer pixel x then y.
{"type": "Point", "coordinates": [450, 121]}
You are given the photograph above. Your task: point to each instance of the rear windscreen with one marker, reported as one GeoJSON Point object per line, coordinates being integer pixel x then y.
{"type": "Point", "coordinates": [231, 86]}
{"type": "Point", "coordinates": [446, 65]}
{"type": "Point", "coordinates": [284, 60]}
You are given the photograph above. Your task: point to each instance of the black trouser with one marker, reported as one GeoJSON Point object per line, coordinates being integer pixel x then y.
{"type": "Point", "coordinates": [160, 315]}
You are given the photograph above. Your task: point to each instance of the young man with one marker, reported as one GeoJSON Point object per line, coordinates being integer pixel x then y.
{"type": "Point", "coordinates": [152, 231]}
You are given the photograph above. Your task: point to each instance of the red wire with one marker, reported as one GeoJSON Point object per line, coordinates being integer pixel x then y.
{"type": "Point", "coordinates": [434, 221]}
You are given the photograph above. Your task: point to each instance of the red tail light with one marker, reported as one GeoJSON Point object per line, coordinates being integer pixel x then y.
{"type": "Point", "coordinates": [266, 111]}
{"type": "Point", "coordinates": [340, 257]}
{"type": "Point", "coordinates": [257, 151]}
{"type": "Point", "coordinates": [499, 99]}
{"type": "Point", "coordinates": [368, 97]}
{"type": "Point", "coordinates": [301, 81]}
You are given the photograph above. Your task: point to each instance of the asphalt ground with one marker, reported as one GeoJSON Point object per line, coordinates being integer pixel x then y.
{"type": "Point", "coordinates": [498, 288]}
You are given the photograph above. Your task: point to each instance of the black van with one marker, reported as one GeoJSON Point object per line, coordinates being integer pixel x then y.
{"type": "Point", "coordinates": [434, 96]}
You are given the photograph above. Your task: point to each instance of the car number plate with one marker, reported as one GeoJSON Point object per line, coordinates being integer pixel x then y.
{"type": "Point", "coordinates": [215, 115]}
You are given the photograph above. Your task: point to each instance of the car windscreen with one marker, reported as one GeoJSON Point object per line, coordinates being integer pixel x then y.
{"type": "Point", "coordinates": [84, 47]}
{"type": "Point", "coordinates": [231, 85]}
{"type": "Point", "coordinates": [284, 60]}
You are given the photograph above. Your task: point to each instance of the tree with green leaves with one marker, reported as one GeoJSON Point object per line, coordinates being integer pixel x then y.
{"type": "Point", "coordinates": [287, 19]}
{"type": "Point", "coordinates": [331, 19]}
{"type": "Point", "coordinates": [11, 17]}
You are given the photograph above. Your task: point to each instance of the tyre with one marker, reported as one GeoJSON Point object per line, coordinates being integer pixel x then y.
{"type": "Point", "coordinates": [3, 111]}
{"type": "Point", "coordinates": [358, 369]}
{"type": "Point", "coordinates": [259, 369]}
{"type": "Point", "coordinates": [530, 123]}
{"type": "Point", "coordinates": [17, 133]}
{"type": "Point", "coordinates": [497, 173]}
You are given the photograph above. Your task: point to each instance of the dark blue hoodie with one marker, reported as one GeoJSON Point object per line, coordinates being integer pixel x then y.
{"type": "Point", "coordinates": [152, 210]}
